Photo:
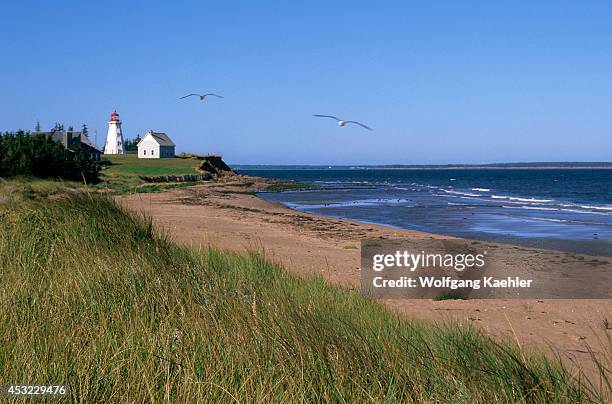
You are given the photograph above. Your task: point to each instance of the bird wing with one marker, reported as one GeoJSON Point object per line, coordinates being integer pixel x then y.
{"type": "Point", "coordinates": [360, 124]}
{"type": "Point", "coordinates": [326, 116]}
{"type": "Point", "coordinates": [214, 95]}
{"type": "Point", "coordinates": [189, 95]}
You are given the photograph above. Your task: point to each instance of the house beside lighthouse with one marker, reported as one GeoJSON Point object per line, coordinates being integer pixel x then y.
{"type": "Point", "coordinates": [155, 145]}
{"type": "Point", "coordinates": [114, 137]}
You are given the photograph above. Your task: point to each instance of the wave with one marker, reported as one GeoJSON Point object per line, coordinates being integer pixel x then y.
{"type": "Point", "coordinates": [460, 193]}
{"type": "Point", "coordinates": [511, 198]}
{"type": "Point", "coordinates": [481, 189]}
{"type": "Point", "coordinates": [605, 207]}
{"type": "Point", "coordinates": [557, 209]}
{"type": "Point", "coordinates": [343, 182]}
{"type": "Point", "coordinates": [344, 204]}
{"type": "Point", "coordinates": [537, 208]}
{"type": "Point", "coordinates": [589, 212]}
{"type": "Point", "coordinates": [549, 219]}
{"type": "Point", "coordinates": [530, 200]}
{"type": "Point", "coordinates": [529, 207]}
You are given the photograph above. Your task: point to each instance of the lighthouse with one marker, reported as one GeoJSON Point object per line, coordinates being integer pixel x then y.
{"type": "Point", "coordinates": [114, 138]}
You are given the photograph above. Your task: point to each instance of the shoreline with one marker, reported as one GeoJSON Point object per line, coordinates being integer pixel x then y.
{"type": "Point", "coordinates": [228, 215]}
{"type": "Point", "coordinates": [594, 247]}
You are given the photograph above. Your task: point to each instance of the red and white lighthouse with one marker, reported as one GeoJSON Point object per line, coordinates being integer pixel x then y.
{"type": "Point", "coordinates": [114, 137]}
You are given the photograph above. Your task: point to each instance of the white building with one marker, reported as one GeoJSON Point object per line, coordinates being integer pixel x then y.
{"type": "Point", "coordinates": [114, 137]}
{"type": "Point", "coordinates": [155, 145]}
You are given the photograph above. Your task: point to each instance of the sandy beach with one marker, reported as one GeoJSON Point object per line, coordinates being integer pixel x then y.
{"type": "Point", "coordinates": [228, 215]}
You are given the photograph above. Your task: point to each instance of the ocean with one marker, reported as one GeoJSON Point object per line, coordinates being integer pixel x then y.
{"type": "Point", "coordinates": [559, 209]}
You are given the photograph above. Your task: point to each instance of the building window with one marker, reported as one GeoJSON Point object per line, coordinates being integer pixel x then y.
{"type": "Point", "coordinates": [144, 152]}
{"type": "Point", "coordinates": [152, 152]}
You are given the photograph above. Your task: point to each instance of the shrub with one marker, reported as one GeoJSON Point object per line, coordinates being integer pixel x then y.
{"type": "Point", "coordinates": [22, 154]}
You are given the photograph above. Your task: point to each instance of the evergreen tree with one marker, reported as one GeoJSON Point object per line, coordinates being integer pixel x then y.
{"type": "Point", "coordinates": [37, 127]}
{"type": "Point", "coordinates": [82, 166]}
{"type": "Point", "coordinates": [84, 130]}
{"type": "Point", "coordinates": [131, 144]}
{"type": "Point", "coordinates": [42, 157]}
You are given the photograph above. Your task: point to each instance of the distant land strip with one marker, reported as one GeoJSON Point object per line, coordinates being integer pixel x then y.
{"type": "Point", "coordinates": [491, 166]}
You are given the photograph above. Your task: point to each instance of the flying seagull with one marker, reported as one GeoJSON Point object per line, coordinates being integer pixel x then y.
{"type": "Point", "coordinates": [342, 122]}
{"type": "Point", "coordinates": [202, 96]}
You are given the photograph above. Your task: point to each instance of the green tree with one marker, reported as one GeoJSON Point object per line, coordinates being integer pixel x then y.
{"type": "Point", "coordinates": [42, 157]}
{"type": "Point", "coordinates": [82, 165]}
{"type": "Point", "coordinates": [37, 127]}
{"type": "Point", "coordinates": [131, 144]}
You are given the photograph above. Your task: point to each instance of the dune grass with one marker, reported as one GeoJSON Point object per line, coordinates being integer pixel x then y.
{"type": "Point", "coordinates": [31, 188]}
{"type": "Point", "coordinates": [94, 298]}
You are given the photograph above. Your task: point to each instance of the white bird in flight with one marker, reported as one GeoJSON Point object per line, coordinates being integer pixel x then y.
{"type": "Point", "coordinates": [342, 122]}
{"type": "Point", "coordinates": [202, 96]}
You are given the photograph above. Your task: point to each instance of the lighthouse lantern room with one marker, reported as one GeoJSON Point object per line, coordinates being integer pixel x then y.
{"type": "Point", "coordinates": [114, 137]}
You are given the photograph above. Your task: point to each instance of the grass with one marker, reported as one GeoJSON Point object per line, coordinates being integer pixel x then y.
{"type": "Point", "coordinates": [131, 165]}
{"type": "Point", "coordinates": [29, 188]}
{"type": "Point", "coordinates": [32, 188]}
{"type": "Point", "coordinates": [94, 298]}
{"type": "Point", "coordinates": [121, 188]}
{"type": "Point", "coordinates": [123, 175]}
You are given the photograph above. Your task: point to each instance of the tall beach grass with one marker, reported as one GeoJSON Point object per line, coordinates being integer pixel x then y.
{"type": "Point", "coordinates": [95, 298]}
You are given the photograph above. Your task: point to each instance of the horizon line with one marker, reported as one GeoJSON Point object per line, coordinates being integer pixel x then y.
{"type": "Point", "coordinates": [535, 164]}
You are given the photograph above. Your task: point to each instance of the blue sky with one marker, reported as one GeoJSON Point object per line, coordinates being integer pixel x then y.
{"type": "Point", "coordinates": [440, 82]}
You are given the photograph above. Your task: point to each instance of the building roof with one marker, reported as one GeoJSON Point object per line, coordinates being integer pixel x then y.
{"type": "Point", "coordinates": [85, 140]}
{"type": "Point", "coordinates": [66, 138]}
{"type": "Point", "coordinates": [88, 145]}
{"type": "Point", "coordinates": [161, 138]}
{"type": "Point", "coordinates": [62, 136]}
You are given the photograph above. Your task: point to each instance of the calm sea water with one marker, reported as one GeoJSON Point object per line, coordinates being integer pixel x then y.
{"type": "Point", "coordinates": [568, 210]}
